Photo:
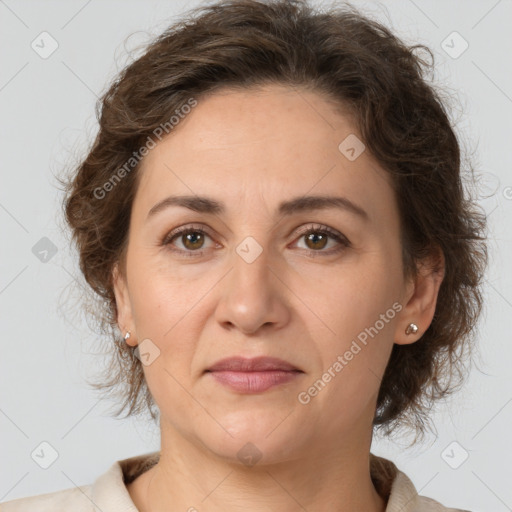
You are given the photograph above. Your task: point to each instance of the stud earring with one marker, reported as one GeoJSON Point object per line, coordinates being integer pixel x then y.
{"type": "Point", "coordinates": [411, 329]}
{"type": "Point", "coordinates": [127, 335]}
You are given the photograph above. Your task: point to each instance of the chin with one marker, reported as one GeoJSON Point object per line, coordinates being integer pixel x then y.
{"type": "Point", "coordinates": [255, 439]}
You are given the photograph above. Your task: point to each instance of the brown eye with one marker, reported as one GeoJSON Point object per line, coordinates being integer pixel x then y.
{"type": "Point", "coordinates": [316, 240]}
{"type": "Point", "coordinates": [192, 240]}
{"type": "Point", "coordinates": [188, 241]}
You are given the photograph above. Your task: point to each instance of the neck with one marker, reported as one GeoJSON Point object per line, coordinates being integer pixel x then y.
{"type": "Point", "coordinates": [324, 478]}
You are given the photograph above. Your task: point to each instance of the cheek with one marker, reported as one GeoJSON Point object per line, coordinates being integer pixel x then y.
{"type": "Point", "coordinates": [163, 298]}
{"type": "Point", "coordinates": [164, 314]}
{"type": "Point", "coordinates": [360, 310]}
{"type": "Point", "coordinates": [354, 359]}
{"type": "Point", "coordinates": [354, 299]}
{"type": "Point", "coordinates": [162, 311]}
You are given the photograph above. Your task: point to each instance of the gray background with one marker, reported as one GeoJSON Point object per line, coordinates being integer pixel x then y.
{"type": "Point", "coordinates": [47, 120]}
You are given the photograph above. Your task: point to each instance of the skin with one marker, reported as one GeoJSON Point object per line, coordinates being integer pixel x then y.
{"type": "Point", "coordinates": [252, 149]}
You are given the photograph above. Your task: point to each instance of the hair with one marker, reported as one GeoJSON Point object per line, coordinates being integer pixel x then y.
{"type": "Point", "coordinates": [366, 70]}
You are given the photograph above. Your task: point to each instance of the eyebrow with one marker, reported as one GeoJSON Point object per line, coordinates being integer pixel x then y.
{"type": "Point", "coordinates": [208, 205]}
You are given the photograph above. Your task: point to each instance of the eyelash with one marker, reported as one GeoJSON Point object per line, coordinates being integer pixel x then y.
{"type": "Point", "coordinates": [319, 229]}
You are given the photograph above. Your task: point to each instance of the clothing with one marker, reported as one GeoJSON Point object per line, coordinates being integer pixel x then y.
{"type": "Point", "coordinates": [108, 493]}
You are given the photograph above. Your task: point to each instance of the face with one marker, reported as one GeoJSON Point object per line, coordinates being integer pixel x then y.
{"type": "Point", "coordinates": [256, 270]}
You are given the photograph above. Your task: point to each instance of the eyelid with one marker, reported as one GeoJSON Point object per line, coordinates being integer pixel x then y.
{"type": "Point", "coordinates": [185, 229]}
{"type": "Point", "coordinates": [342, 240]}
{"type": "Point", "coordinates": [343, 243]}
{"type": "Point", "coordinates": [177, 232]}
{"type": "Point", "coordinates": [314, 227]}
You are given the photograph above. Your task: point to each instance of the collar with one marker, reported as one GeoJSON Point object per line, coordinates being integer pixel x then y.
{"type": "Point", "coordinates": [109, 491]}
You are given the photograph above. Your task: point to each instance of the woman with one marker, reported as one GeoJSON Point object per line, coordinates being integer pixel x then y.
{"type": "Point", "coordinates": [273, 215]}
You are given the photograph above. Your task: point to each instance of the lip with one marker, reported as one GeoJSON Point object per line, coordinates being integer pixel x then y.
{"type": "Point", "coordinates": [253, 375]}
{"type": "Point", "coordinates": [255, 364]}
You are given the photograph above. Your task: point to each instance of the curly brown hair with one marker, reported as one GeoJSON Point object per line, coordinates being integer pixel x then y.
{"type": "Point", "coordinates": [360, 65]}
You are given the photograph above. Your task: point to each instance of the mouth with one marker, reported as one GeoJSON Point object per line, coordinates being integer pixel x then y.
{"type": "Point", "coordinates": [253, 375]}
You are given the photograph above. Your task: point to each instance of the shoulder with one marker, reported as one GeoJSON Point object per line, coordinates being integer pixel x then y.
{"type": "Point", "coordinates": [76, 499]}
{"type": "Point", "coordinates": [424, 504]}
{"type": "Point", "coordinates": [107, 493]}
{"type": "Point", "coordinates": [406, 498]}
{"type": "Point", "coordinates": [399, 490]}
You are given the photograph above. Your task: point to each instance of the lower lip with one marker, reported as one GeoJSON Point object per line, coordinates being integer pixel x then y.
{"type": "Point", "coordinates": [254, 382]}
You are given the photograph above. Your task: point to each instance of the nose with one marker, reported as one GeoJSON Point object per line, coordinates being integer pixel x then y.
{"type": "Point", "coordinates": [252, 296]}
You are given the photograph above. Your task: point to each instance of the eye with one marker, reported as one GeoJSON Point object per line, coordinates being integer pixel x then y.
{"type": "Point", "coordinates": [317, 238]}
{"type": "Point", "coordinates": [190, 240]}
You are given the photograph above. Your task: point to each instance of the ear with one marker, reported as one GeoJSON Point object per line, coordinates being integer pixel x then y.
{"type": "Point", "coordinates": [124, 309]}
{"type": "Point", "coordinates": [420, 298]}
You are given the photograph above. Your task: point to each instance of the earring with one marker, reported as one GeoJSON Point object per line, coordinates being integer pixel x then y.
{"type": "Point", "coordinates": [127, 335]}
{"type": "Point", "coordinates": [411, 329]}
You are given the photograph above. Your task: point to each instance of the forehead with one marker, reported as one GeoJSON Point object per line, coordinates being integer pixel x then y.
{"type": "Point", "coordinates": [260, 144]}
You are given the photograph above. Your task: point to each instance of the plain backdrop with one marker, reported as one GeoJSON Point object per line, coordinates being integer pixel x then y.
{"type": "Point", "coordinates": [47, 120]}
